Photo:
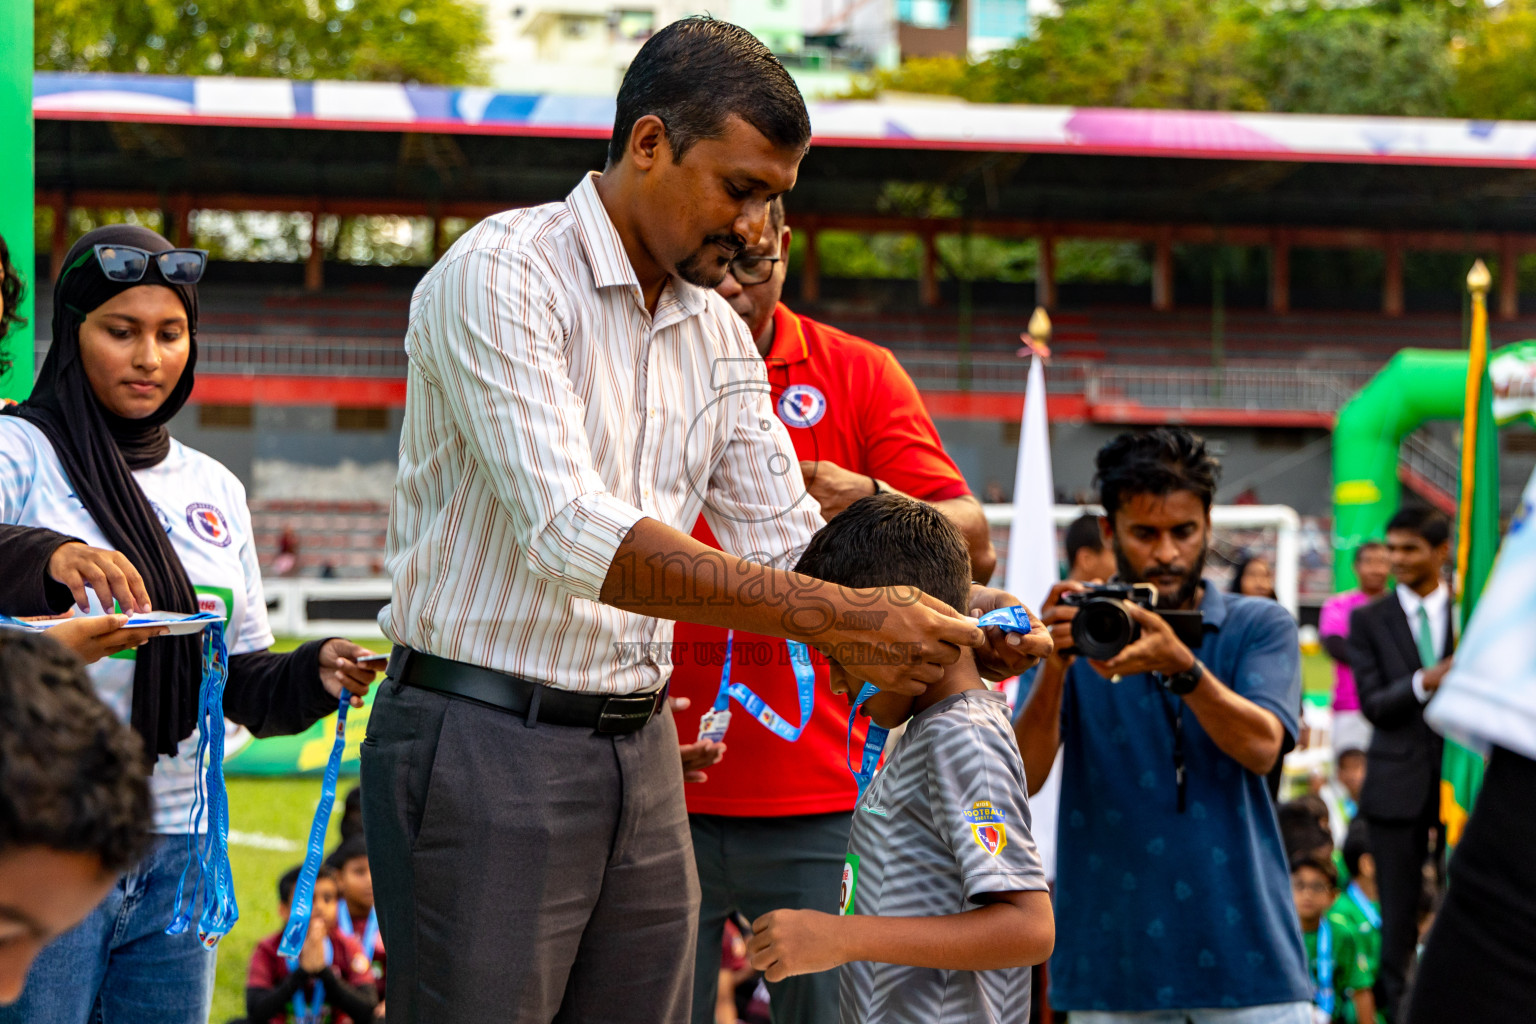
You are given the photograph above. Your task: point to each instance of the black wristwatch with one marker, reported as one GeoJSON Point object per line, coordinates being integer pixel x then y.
{"type": "Point", "coordinates": [1181, 683]}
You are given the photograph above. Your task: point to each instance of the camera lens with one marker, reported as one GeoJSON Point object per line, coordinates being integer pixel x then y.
{"type": "Point", "coordinates": [1102, 628]}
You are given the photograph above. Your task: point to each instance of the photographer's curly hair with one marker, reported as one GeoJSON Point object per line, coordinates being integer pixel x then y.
{"type": "Point", "coordinates": [1158, 462]}
{"type": "Point", "coordinates": [71, 772]}
{"type": "Point", "coordinates": [11, 292]}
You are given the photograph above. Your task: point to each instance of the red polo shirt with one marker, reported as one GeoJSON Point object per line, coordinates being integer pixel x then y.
{"type": "Point", "coordinates": [846, 401]}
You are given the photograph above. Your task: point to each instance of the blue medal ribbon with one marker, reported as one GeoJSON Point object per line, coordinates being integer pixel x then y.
{"type": "Point", "coordinates": [805, 687]}
{"type": "Point", "coordinates": [1358, 897]}
{"type": "Point", "coordinates": [370, 930]}
{"type": "Point", "coordinates": [304, 890]}
{"type": "Point", "coordinates": [1013, 619]}
{"type": "Point", "coordinates": [210, 851]}
{"type": "Point", "coordinates": [309, 1009]}
{"type": "Point", "coordinates": [1325, 994]}
{"type": "Point", "coordinates": [874, 742]}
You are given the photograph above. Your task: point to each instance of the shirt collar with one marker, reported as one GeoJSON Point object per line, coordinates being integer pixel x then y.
{"type": "Point", "coordinates": [1434, 604]}
{"type": "Point", "coordinates": [610, 264]}
{"type": "Point", "coordinates": [790, 343]}
{"type": "Point", "coordinates": [1213, 606]}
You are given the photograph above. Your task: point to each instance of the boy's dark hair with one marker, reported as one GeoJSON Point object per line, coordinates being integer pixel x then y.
{"type": "Point", "coordinates": [890, 540]}
{"type": "Point", "coordinates": [352, 815]}
{"type": "Point", "coordinates": [71, 772]}
{"type": "Point", "coordinates": [1322, 865]}
{"type": "Point", "coordinates": [697, 72]}
{"type": "Point", "coordinates": [1159, 462]}
{"type": "Point", "coordinates": [1357, 843]}
{"type": "Point", "coordinates": [290, 881]}
{"type": "Point", "coordinates": [1299, 827]}
{"type": "Point", "coordinates": [1429, 523]}
{"type": "Point", "coordinates": [1339, 756]}
{"type": "Point", "coordinates": [1083, 533]}
{"type": "Point", "coordinates": [346, 851]}
{"type": "Point", "coordinates": [1365, 549]}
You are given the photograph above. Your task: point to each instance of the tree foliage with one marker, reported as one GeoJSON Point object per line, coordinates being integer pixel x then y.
{"type": "Point", "coordinates": [431, 41]}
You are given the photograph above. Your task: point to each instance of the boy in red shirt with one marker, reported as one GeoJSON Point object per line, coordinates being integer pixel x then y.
{"type": "Point", "coordinates": [329, 982]}
{"type": "Point", "coordinates": [356, 915]}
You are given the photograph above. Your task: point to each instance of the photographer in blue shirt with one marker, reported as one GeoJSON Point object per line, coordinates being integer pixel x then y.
{"type": "Point", "coordinates": [1172, 894]}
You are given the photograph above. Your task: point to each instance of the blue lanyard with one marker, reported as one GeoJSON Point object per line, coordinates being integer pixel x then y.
{"type": "Point", "coordinates": [309, 1009]}
{"type": "Point", "coordinates": [805, 686]}
{"type": "Point", "coordinates": [214, 879]}
{"type": "Point", "coordinates": [874, 742]}
{"type": "Point", "coordinates": [304, 890]}
{"type": "Point", "coordinates": [1361, 900]}
{"type": "Point", "coordinates": [1324, 999]}
{"type": "Point", "coordinates": [370, 930]}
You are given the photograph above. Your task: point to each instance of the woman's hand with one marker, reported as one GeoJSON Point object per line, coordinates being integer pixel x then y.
{"type": "Point", "coordinates": [94, 637]}
{"type": "Point", "coordinates": [81, 567]}
{"type": "Point", "coordinates": [339, 670]}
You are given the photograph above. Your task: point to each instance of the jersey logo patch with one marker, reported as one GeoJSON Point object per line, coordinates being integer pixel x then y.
{"type": "Point", "coordinates": [208, 524]}
{"type": "Point", "coordinates": [802, 405]}
{"type": "Point", "coordinates": [165, 520]}
{"type": "Point", "coordinates": [987, 826]}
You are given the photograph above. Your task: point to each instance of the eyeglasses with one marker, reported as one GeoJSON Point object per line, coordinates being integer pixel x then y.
{"type": "Point", "coordinates": [753, 269]}
{"type": "Point", "coordinates": [127, 264]}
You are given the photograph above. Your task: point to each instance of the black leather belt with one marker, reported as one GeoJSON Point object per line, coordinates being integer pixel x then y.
{"type": "Point", "coordinates": [525, 698]}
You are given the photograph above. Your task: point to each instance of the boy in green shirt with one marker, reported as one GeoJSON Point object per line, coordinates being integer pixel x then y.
{"type": "Point", "coordinates": [1357, 909]}
{"type": "Point", "coordinates": [1341, 974]}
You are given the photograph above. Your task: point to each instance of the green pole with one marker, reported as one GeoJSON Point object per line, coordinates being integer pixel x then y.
{"type": "Point", "coordinates": [16, 174]}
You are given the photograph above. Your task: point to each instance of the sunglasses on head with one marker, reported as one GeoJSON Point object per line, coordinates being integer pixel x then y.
{"type": "Point", "coordinates": [127, 264]}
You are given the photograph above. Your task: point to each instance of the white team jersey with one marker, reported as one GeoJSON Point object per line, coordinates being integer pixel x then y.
{"type": "Point", "coordinates": [202, 507]}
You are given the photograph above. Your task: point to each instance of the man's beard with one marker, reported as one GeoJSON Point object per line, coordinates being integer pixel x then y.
{"type": "Point", "coordinates": [1188, 584]}
{"type": "Point", "coordinates": [700, 270]}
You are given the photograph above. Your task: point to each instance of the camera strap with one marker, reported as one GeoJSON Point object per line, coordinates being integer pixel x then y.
{"type": "Point", "coordinates": [1175, 716]}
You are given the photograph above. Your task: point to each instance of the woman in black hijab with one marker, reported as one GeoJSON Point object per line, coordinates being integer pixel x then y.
{"type": "Point", "coordinates": [88, 456]}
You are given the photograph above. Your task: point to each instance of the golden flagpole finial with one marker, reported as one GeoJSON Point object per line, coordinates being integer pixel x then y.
{"type": "Point", "coordinates": [1039, 334]}
{"type": "Point", "coordinates": [1478, 279]}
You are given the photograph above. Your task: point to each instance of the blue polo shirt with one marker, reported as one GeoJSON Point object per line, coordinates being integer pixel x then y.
{"type": "Point", "coordinates": [1157, 909]}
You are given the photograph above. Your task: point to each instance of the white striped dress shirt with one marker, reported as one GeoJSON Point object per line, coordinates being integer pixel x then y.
{"type": "Point", "coordinates": [546, 413]}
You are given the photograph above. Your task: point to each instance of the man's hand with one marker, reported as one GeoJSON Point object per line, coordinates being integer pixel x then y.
{"type": "Point", "coordinates": [1058, 620]}
{"type": "Point", "coordinates": [1007, 654]}
{"type": "Point", "coordinates": [698, 755]}
{"type": "Point", "coordinates": [1435, 675]}
{"type": "Point", "coordinates": [339, 670]}
{"type": "Point", "coordinates": [1156, 650]}
{"type": "Point", "coordinates": [833, 486]}
{"type": "Point", "coordinates": [790, 942]}
{"type": "Point", "coordinates": [897, 638]}
{"type": "Point", "coordinates": [94, 637]}
{"type": "Point", "coordinates": [312, 955]}
{"type": "Point", "coordinates": [81, 567]}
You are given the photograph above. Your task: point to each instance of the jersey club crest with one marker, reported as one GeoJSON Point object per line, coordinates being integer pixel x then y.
{"type": "Point", "coordinates": [987, 826]}
{"type": "Point", "coordinates": [208, 524]}
{"type": "Point", "coordinates": [802, 405]}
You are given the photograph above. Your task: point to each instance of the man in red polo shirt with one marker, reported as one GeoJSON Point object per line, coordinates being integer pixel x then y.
{"type": "Point", "coordinates": [770, 822]}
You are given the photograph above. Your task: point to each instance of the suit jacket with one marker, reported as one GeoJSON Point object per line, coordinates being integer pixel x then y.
{"type": "Point", "coordinates": [1402, 775]}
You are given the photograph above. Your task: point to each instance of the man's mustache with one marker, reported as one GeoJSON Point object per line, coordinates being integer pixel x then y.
{"type": "Point", "coordinates": [733, 242]}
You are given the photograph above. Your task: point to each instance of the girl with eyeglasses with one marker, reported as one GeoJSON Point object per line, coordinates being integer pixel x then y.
{"type": "Point", "coordinates": [118, 512]}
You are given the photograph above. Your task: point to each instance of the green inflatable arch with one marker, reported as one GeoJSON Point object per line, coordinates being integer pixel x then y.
{"type": "Point", "coordinates": [1416, 385]}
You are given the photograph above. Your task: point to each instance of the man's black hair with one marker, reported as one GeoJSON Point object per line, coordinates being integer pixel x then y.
{"type": "Point", "coordinates": [696, 73]}
{"type": "Point", "coordinates": [1322, 865]}
{"type": "Point", "coordinates": [1083, 533]}
{"type": "Point", "coordinates": [290, 881]}
{"type": "Point", "coordinates": [890, 540]}
{"type": "Point", "coordinates": [348, 850]}
{"type": "Point", "coordinates": [1366, 548]}
{"type": "Point", "coordinates": [1429, 523]}
{"type": "Point", "coordinates": [1158, 462]}
{"type": "Point", "coordinates": [72, 774]}
{"type": "Point", "coordinates": [1357, 843]}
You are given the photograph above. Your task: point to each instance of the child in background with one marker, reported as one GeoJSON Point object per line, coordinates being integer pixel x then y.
{"type": "Point", "coordinates": [1357, 909]}
{"type": "Point", "coordinates": [356, 916]}
{"type": "Point", "coordinates": [1341, 793]}
{"type": "Point", "coordinates": [1339, 972]}
{"type": "Point", "coordinates": [944, 905]}
{"type": "Point", "coordinates": [327, 983]}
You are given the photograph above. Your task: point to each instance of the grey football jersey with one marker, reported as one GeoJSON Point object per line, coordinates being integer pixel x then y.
{"type": "Point", "coordinates": [944, 822]}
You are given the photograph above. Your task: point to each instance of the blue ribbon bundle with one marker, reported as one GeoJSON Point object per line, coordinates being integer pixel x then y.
{"type": "Point", "coordinates": [210, 850]}
{"type": "Point", "coordinates": [304, 891]}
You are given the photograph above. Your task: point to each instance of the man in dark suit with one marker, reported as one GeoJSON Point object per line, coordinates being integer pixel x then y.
{"type": "Point", "coordinates": [1400, 649]}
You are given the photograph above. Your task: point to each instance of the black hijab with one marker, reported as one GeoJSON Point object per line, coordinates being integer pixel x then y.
{"type": "Point", "coordinates": [98, 451]}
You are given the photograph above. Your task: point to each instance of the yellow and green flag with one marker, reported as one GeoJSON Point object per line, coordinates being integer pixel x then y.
{"type": "Point", "coordinates": [1461, 773]}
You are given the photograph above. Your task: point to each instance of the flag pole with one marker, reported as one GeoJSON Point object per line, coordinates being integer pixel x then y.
{"type": "Point", "coordinates": [1478, 283]}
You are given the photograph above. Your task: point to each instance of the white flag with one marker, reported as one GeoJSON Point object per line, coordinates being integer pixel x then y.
{"type": "Point", "coordinates": [1033, 570]}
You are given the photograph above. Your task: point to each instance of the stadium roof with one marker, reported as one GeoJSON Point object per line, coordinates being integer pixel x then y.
{"type": "Point", "coordinates": [236, 141]}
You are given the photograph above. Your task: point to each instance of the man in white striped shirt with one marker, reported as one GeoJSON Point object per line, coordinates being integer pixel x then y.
{"type": "Point", "coordinates": [577, 396]}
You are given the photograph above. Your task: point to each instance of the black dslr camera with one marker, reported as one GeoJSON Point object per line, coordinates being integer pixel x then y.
{"type": "Point", "coordinates": [1103, 626]}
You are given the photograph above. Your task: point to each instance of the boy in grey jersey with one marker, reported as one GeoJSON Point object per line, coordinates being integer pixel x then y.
{"type": "Point", "coordinates": [944, 903]}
